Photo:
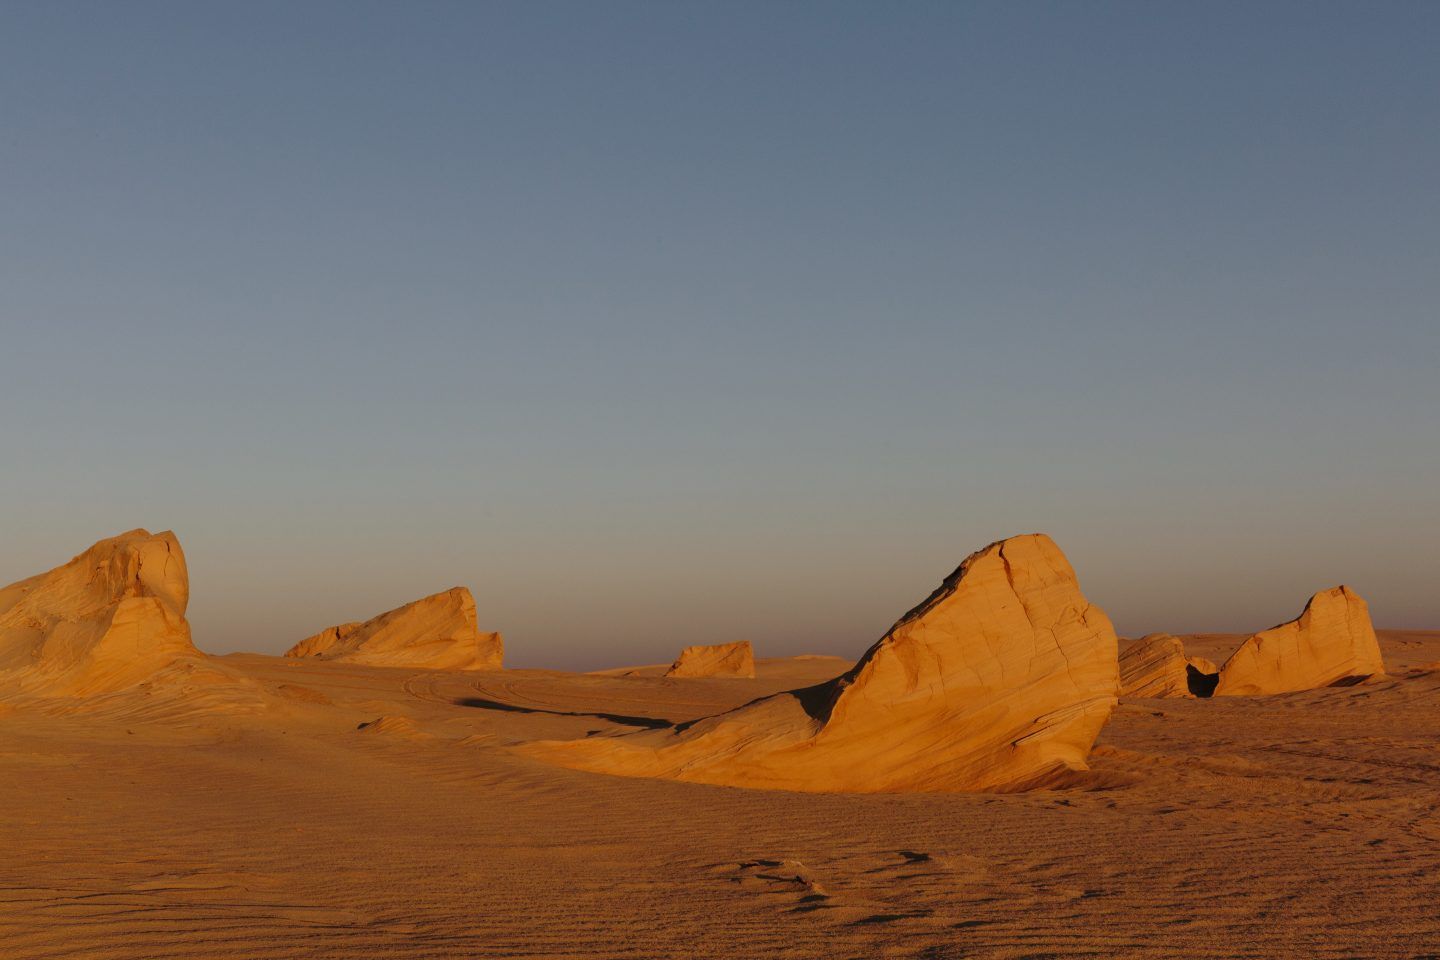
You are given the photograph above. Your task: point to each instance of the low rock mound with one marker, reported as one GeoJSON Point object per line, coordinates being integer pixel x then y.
{"type": "Point", "coordinates": [437, 632]}
{"type": "Point", "coordinates": [1000, 680]}
{"type": "Point", "coordinates": [718, 660]}
{"type": "Point", "coordinates": [110, 619]}
{"type": "Point", "coordinates": [1331, 643]}
{"type": "Point", "coordinates": [1157, 666]}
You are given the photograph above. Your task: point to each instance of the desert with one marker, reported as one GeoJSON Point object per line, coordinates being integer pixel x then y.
{"type": "Point", "coordinates": [332, 807]}
{"type": "Point", "coordinates": [740, 480]}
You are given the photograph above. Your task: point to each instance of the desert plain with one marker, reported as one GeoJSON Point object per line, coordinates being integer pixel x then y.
{"type": "Point", "coordinates": [993, 779]}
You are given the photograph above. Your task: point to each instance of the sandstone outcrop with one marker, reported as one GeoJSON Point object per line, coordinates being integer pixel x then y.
{"type": "Point", "coordinates": [1157, 666]}
{"type": "Point", "coordinates": [437, 632]}
{"type": "Point", "coordinates": [1000, 680]}
{"type": "Point", "coordinates": [111, 618]}
{"type": "Point", "coordinates": [717, 660]}
{"type": "Point", "coordinates": [1331, 643]}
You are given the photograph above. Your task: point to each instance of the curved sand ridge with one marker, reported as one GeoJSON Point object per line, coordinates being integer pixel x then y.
{"type": "Point", "coordinates": [1001, 679]}
{"type": "Point", "coordinates": [717, 660]}
{"type": "Point", "coordinates": [438, 632]}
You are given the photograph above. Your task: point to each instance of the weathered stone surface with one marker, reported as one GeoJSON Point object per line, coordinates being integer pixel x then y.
{"type": "Point", "coordinates": [1001, 679]}
{"type": "Point", "coordinates": [437, 632]}
{"type": "Point", "coordinates": [109, 619]}
{"type": "Point", "coordinates": [1330, 643]}
{"type": "Point", "coordinates": [717, 660]}
{"type": "Point", "coordinates": [1154, 666]}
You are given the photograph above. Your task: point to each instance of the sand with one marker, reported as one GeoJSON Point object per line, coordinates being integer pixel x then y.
{"type": "Point", "coordinates": [1300, 825]}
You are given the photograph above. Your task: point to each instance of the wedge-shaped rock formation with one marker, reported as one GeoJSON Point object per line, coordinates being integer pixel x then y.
{"type": "Point", "coordinates": [717, 660]}
{"type": "Point", "coordinates": [438, 632]}
{"type": "Point", "coordinates": [1332, 642]}
{"type": "Point", "coordinates": [1000, 680]}
{"type": "Point", "coordinates": [1157, 666]}
{"type": "Point", "coordinates": [109, 619]}
{"type": "Point", "coordinates": [1154, 666]}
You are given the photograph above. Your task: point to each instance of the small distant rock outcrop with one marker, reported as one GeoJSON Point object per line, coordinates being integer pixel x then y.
{"type": "Point", "coordinates": [111, 618]}
{"type": "Point", "coordinates": [1157, 666]}
{"type": "Point", "coordinates": [1330, 644]}
{"type": "Point", "coordinates": [438, 632]}
{"type": "Point", "coordinates": [1000, 680]}
{"type": "Point", "coordinates": [717, 660]}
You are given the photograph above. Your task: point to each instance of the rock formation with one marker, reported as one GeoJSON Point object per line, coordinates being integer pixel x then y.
{"type": "Point", "coordinates": [1157, 666]}
{"type": "Point", "coordinates": [111, 618]}
{"type": "Point", "coordinates": [719, 660]}
{"type": "Point", "coordinates": [1332, 642]}
{"type": "Point", "coordinates": [1000, 680]}
{"type": "Point", "coordinates": [437, 632]}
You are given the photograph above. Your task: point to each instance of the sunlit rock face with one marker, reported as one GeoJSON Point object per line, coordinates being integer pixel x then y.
{"type": "Point", "coordinates": [1331, 642]}
{"type": "Point", "coordinates": [716, 660]}
{"type": "Point", "coordinates": [438, 632]}
{"type": "Point", "coordinates": [1000, 680]}
{"type": "Point", "coordinates": [109, 619]}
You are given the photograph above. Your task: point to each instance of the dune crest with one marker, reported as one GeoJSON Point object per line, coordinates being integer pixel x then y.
{"type": "Point", "coordinates": [1332, 641]}
{"type": "Point", "coordinates": [1001, 679]}
{"type": "Point", "coordinates": [716, 660]}
{"type": "Point", "coordinates": [109, 619]}
{"type": "Point", "coordinates": [437, 632]}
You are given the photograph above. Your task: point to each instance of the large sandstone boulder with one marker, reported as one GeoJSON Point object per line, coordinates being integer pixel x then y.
{"type": "Point", "coordinates": [111, 618]}
{"type": "Point", "coordinates": [437, 632]}
{"type": "Point", "coordinates": [1331, 643]}
{"type": "Point", "coordinates": [1000, 680]}
{"type": "Point", "coordinates": [717, 660]}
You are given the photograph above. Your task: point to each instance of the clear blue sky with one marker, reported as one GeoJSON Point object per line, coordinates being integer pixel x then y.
{"type": "Point", "coordinates": [676, 323]}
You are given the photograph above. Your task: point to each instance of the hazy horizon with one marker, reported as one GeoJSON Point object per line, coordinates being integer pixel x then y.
{"type": "Point", "coordinates": [661, 324]}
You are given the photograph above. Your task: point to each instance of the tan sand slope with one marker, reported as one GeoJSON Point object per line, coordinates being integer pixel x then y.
{"type": "Point", "coordinates": [1157, 666]}
{"type": "Point", "coordinates": [112, 617]}
{"type": "Point", "coordinates": [1001, 679]}
{"type": "Point", "coordinates": [715, 660]}
{"type": "Point", "coordinates": [1331, 642]}
{"type": "Point", "coordinates": [437, 632]}
{"type": "Point", "coordinates": [294, 834]}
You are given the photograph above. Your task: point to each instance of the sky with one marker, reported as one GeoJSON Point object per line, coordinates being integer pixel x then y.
{"type": "Point", "coordinates": [670, 323]}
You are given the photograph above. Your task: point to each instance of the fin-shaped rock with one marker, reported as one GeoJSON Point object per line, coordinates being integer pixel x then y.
{"type": "Point", "coordinates": [1000, 680]}
{"type": "Point", "coordinates": [716, 660]}
{"type": "Point", "coordinates": [437, 632]}
{"type": "Point", "coordinates": [1332, 642]}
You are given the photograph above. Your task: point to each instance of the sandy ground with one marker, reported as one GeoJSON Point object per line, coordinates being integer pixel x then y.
{"type": "Point", "coordinates": [1304, 825]}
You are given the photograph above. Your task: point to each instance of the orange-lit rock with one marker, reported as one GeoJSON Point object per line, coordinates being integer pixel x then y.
{"type": "Point", "coordinates": [437, 632]}
{"type": "Point", "coordinates": [717, 660]}
{"type": "Point", "coordinates": [109, 619]}
{"type": "Point", "coordinates": [1330, 643]}
{"type": "Point", "coordinates": [1001, 679]}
